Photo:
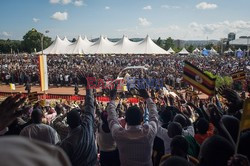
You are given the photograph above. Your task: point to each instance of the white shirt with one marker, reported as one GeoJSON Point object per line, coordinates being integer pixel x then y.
{"type": "Point", "coordinates": [135, 143]}
{"type": "Point", "coordinates": [163, 134]}
{"type": "Point", "coordinates": [41, 132]}
{"type": "Point", "coordinates": [105, 141]}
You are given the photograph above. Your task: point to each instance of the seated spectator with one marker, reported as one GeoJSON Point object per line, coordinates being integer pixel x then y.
{"type": "Point", "coordinates": [179, 147]}
{"type": "Point", "coordinates": [166, 135]}
{"type": "Point", "coordinates": [186, 124]}
{"type": "Point", "coordinates": [216, 151]}
{"type": "Point", "coordinates": [38, 130]}
{"type": "Point", "coordinates": [204, 130]}
{"type": "Point", "coordinates": [80, 143]}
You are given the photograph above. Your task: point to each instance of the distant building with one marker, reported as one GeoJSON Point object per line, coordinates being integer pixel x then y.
{"type": "Point", "coordinates": [231, 36]}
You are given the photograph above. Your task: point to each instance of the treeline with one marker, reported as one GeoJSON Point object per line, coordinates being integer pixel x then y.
{"type": "Point", "coordinates": [31, 43]}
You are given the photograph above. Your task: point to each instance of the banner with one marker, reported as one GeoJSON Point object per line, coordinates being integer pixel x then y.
{"type": "Point", "coordinates": [43, 72]}
{"type": "Point", "coordinates": [198, 79]}
{"type": "Point", "coordinates": [239, 75]}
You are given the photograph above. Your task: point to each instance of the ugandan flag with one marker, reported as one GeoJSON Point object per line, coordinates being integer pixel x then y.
{"type": "Point", "coordinates": [198, 79]}
{"type": "Point", "coordinates": [43, 72]}
{"type": "Point", "coordinates": [239, 75]}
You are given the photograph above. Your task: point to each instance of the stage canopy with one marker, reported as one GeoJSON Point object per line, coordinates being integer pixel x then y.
{"type": "Point", "coordinates": [104, 46]}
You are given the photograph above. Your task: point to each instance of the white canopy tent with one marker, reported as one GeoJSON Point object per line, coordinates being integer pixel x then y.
{"type": "Point", "coordinates": [196, 51]}
{"type": "Point", "coordinates": [213, 51]}
{"type": "Point", "coordinates": [57, 47]}
{"type": "Point", "coordinates": [66, 41]}
{"type": "Point", "coordinates": [104, 46]}
{"type": "Point", "coordinates": [80, 46]}
{"type": "Point", "coordinates": [147, 46]}
{"type": "Point", "coordinates": [183, 52]}
{"type": "Point", "coordinates": [171, 51]}
{"type": "Point", "coordinates": [228, 51]}
{"type": "Point", "coordinates": [124, 46]}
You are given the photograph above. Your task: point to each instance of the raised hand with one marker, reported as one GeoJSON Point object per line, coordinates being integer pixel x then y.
{"type": "Point", "coordinates": [233, 98]}
{"type": "Point", "coordinates": [142, 92]}
{"type": "Point", "coordinates": [9, 110]}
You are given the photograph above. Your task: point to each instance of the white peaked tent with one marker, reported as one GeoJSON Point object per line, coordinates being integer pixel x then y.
{"type": "Point", "coordinates": [213, 51]}
{"type": "Point", "coordinates": [66, 41]}
{"type": "Point", "coordinates": [147, 46]}
{"type": "Point", "coordinates": [57, 47]}
{"type": "Point", "coordinates": [101, 46]}
{"type": "Point", "coordinates": [196, 51]}
{"type": "Point", "coordinates": [183, 52]}
{"type": "Point", "coordinates": [124, 46]}
{"type": "Point", "coordinates": [171, 51]}
{"type": "Point", "coordinates": [79, 47]}
{"type": "Point", "coordinates": [239, 49]}
{"type": "Point", "coordinates": [229, 51]}
{"type": "Point", "coordinates": [104, 46]}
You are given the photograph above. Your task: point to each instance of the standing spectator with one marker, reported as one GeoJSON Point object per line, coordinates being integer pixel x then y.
{"type": "Point", "coordinates": [135, 142]}
{"type": "Point", "coordinates": [40, 131]}
{"type": "Point", "coordinates": [80, 143]}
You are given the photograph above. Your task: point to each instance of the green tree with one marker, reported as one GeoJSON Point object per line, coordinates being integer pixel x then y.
{"type": "Point", "coordinates": [7, 45]}
{"type": "Point", "coordinates": [32, 40]}
{"type": "Point", "coordinates": [73, 40]}
{"type": "Point", "coordinates": [209, 46]}
{"type": "Point", "coordinates": [190, 48]}
{"type": "Point", "coordinates": [159, 42]}
{"type": "Point", "coordinates": [169, 43]}
{"type": "Point", "coordinates": [228, 81]}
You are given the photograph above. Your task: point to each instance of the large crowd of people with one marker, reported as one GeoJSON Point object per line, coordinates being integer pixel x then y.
{"type": "Point", "coordinates": [161, 129]}
{"type": "Point", "coordinates": [70, 70]}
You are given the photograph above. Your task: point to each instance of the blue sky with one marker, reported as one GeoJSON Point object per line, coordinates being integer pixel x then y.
{"type": "Point", "coordinates": [179, 19]}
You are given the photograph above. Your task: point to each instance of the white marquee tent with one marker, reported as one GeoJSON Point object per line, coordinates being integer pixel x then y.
{"type": "Point", "coordinates": [213, 51]}
{"type": "Point", "coordinates": [196, 51]}
{"type": "Point", "coordinates": [171, 51]}
{"type": "Point", "coordinates": [183, 52]}
{"type": "Point", "coordinates": [104, 46]}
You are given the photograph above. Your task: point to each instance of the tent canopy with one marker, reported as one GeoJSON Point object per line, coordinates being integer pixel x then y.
{"type": "Point", "coordinates": [104, 46]}
{"type": "Point", "coordinates": [183, 52]}
{"type": "Point", "coordinates": [196, 50]}
{"type": "Point", "coordinates": [171, 51]}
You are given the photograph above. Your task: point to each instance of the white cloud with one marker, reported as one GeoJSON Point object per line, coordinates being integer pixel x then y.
{"type": "Point", "coordinates": [65, 2]}
{"type": "Point", "coordinates": [144, 22]}
{"type": "Point", "coordinates": [78, 3]}
{"type": "Point", "coordinates": [147, 7]}
{"type": "Point", "coordinates": [6, 34]}
{"type": "Point", "coordinates": [107, 7]}
{"type": "Point", "coordinates": [61, 16]}
{"type": "Point", "coordinates": [205, 6]}
{"type": "Point", "coordinates": [36, 19]}
{"type": "Point", "coordinates": [170, 7]}
{"type": "Point", "coordinates": [54, 1]}
{"type": "Point", "coordinates": [191, 31]}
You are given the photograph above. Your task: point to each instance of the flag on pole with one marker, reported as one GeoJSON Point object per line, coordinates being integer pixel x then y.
{"type": "Point", "coordinates": [245, 118]}
{"type": "Point", "coordinates": [43, 72]}
{"type": "Point", "coordinates": [12, 86]}
{"type": "Point", "coordinates": [198, 79]}
{"type": "Point", "coordinates": [239, 75]}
